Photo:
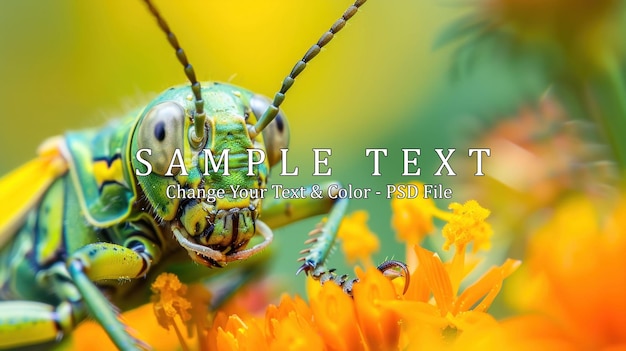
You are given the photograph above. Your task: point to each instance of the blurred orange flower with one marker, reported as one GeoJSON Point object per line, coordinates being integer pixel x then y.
{"type": "Point", "coordinates": [574, 279]}
{"type": "Point", "coordinates": [412, 218]}
{"type": "Point", "coordinates": [357, 240]}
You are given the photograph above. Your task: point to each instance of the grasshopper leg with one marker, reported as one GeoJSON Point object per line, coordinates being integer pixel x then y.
{"type": "Point", "coordinates": [105, 261]}
{"type": "Point", "coordinates": [391, 269]}
{"type": "Point", "coordinates": [30, 322]}
{"type": "Point", "coordinates": [24, 323]}
{"type": "Point", "coordinates": [283, 211]}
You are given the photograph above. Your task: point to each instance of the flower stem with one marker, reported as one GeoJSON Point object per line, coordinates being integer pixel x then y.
{"type": "Point", "coordinates": [457, 268]}
{"type": "Point", "coordinates": [183, 344]}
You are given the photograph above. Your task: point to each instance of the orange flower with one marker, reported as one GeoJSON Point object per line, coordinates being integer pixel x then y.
{"type": "Point", "coordinates": [357, 240]}
{"type": "Point", "coordinates": [413, 218]}
{"type": "Point", "coordinates": [574, 280]}
{"type": "Point", "coordinates": [435, 323]}
{"type": "Point", "coordinates": [447, 310]}
{"type": "Point", "coordinates": [169, 300]}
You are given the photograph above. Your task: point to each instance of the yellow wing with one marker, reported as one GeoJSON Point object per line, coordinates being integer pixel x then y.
{"type": "Point", "coordinates": [21, 189]}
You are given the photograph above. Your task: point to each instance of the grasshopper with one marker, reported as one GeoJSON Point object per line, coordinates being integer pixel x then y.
{"type": "Point", "coordinates": [93, 219]}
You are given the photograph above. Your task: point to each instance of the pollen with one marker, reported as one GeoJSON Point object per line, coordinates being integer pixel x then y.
{"type": "Point", "coordinates": [467, 225]}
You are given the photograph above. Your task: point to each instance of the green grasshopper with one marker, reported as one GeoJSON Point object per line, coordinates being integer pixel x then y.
{"type": "Point", "coordinates": [91, 219]}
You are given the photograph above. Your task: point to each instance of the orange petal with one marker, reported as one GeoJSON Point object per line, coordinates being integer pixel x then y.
{"type": "Point", "coordinates": [226, 340]}
{"type": "Point", "coordinates": [334, 315]}
{"type": "Point", "coordinates": [255, 339]}
{"type": "Point", "coordinates": [220, 320]}
{"type": "Point", "coordinates": [536, 332]}
{"type": "Point", "coordinates": [288, 306]}
{"type": "Point", "coordinates": [295, 333]}
{"type": "Point", "coordinates": [242, 335]}
{"type": "Point", "coordinates": [487, 287]}
{"type": "Point", "coordinates": [416, 314]}
{"type": "Point", "coordinates": [418, 287]}
{"type": "Point", "coordinates": [380, 326]}
{"type": "Point", "coordinates": [437, 279]}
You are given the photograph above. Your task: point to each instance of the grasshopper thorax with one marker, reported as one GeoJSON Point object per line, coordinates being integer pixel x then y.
{"type": "Point", "coordinates": [208, 192]}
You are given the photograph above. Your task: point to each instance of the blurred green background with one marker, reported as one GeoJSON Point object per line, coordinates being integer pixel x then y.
{"type": "Point", "coordinates": [68, 65]}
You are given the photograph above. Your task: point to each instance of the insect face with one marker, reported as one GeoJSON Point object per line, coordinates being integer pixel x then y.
{"type": "Point", "coordinates": [214, 188]}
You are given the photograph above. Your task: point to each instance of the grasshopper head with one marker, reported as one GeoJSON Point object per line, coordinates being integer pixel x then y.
{"type": "Point", "coordinates": [209, 189]}
{"type": "Point", "coordinates": [224, 117]}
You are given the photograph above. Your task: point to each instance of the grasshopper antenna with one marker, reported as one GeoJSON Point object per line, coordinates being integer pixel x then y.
{"type": "Point", "coordinates": [271, 112]}
{"type": "Point", "coordinates": [199, 116]}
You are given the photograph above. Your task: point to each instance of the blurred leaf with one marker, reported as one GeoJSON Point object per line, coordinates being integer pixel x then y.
{"type": "Point", "coordinates": [465, 26]}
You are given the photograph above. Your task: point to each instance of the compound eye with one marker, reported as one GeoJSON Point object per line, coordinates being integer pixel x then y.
{"type": "Point", "coordinates": [276, 134]}
{"type": "Point", "coordinates": [162, 132]}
